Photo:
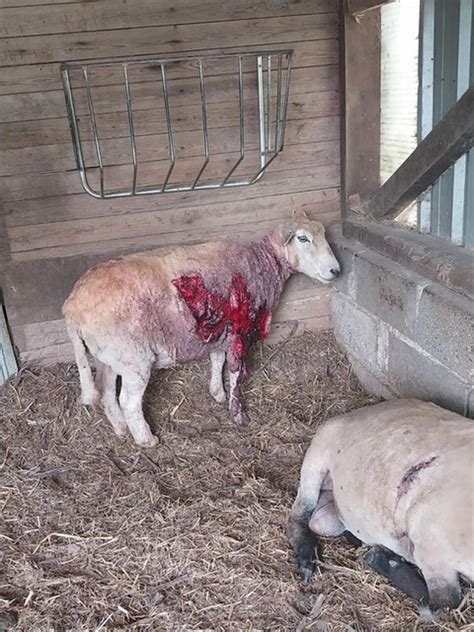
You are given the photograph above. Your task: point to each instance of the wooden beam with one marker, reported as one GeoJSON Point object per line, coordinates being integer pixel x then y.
{"type": "Point", "coordinates": [451, 137]}
{"type": "Point", "coordinates": [358, 7]}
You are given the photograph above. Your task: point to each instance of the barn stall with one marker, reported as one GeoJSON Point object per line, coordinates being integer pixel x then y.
{"type": "Point", "coordinates": [191, 535]}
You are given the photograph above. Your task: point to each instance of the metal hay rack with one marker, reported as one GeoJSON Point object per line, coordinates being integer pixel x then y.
{"type": "Point", "coordinates": [186, 123]}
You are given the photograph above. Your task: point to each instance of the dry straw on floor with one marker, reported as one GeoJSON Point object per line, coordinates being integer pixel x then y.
{"type": "Point", "coordinates": [98, 534]}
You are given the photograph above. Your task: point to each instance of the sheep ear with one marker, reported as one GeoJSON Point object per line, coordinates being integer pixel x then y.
{"type": "Point", "coordinates": [299, 214]}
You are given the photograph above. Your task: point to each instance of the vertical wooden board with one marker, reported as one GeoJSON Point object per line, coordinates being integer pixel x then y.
{"type": "Point", "coordinates": [360, 57]}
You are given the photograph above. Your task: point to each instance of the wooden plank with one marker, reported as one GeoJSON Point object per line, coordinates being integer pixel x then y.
{"type": "Point", "coordinates": [80, 233]}
{"type": "Point", "coordinates": [60, 157]}
{"type": "Point", "coordinates": [56, 352]}
{"type": "Point", "coordinates": [147, 95]}
{"type": "Point", "coordinates": [295, 307]}
{"type": "Point", "coordinates": [45, 77]}
{"type": "Point", "coordinates": [35, 293]}
{"type": "Point", "coordinates": [198, 36]}
{"type": "Point", "coordinates": [449, 139]}
{"type": "Point", "coordinates": [281, 331]}
{"type": "Point", "coordinates": [295, 304]}
{"type": "Point", "coordinates": [105, 15]}
{"type": "Point", "coordinates": [27, 134]}
{"type": "Point", "coordinates": [152, 173]}
{"type": "Point", "coordinates": [29, 3]}
{"type": "Point", "coordinates": [41, 335]}
{"type": "Point", "coordinates": [112, 247]}
{"type": "Point", "coordinates": [320, 180]}
{"type": "Point", "coordinates": [48, 356]}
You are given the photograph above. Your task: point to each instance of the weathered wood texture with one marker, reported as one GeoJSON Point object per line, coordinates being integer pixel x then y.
{"type": "Point", "coordinates": [449, 139]}
{"type": "Point", "coordinates": [358, 7]}
{"type": "Point", "coordinates": [51, 231]}
{"type": "Point", "coordinates": [360, 105]}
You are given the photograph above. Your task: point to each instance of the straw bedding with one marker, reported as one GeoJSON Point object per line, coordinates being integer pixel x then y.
{"type": "Point", "coordinates": [191, 535]}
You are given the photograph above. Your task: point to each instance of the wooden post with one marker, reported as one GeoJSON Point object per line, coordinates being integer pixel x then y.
{"type": "Point", "coordinates": [360, 106]}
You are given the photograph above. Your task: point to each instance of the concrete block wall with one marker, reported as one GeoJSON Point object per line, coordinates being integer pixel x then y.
{"type": "Point", "coordinates": [405, 335]}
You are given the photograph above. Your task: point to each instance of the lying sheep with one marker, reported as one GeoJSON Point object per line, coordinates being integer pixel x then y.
{"type": "Point", "coordinates": [160, 309]}
{"type": "Point", "coordinates": [399, 475]}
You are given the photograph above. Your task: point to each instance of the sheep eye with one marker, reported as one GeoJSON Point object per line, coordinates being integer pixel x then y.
{"type": "Point", "coordinates": [303, 238]}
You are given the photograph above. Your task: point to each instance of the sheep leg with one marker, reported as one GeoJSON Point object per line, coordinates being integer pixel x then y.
{"type": "Point", "coordinates": [302, 540]}
{"type": "Point", "coordinates": [108, 383]}
{"type": "Point", "coordinates": [441, 578]}
{"type": "Point", "coordinates": [217, 387]}
{"type": "Point", "coordinates": [352, 539]}
{"type": "Point", "coordinates": [236, 406]}
{"type": "Point", "coordinates": [443, 584]}
{"type": "Point", "coordinates": [131, 398]}
{"type": "Point", "coordinates": [400, 573]}
{"type": "Point", "coordinates": [89, 392]}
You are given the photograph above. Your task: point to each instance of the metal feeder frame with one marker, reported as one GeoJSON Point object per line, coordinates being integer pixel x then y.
{"type": "Point", "coordinates": [265, 119]}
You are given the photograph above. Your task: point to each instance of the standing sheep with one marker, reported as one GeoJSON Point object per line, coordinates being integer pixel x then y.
{"type": "Point", "coordinates": [165, 308]}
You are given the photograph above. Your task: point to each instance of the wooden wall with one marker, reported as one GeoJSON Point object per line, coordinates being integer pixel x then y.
{"type": "Point", "coordinates": [51, 230]}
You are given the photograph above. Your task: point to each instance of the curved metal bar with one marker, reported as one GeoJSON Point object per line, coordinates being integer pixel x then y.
{"type": "Point", "coordinates": [171, 150]}
{"type": "Point", "coordinates": [202, 91]}
{"type": "Point", "coordinates": [158, 60]}
{"type": "Point", "coordinates": [90, 103]}
{"type": "Point", "coordinates": [242, 129]}
{"type": "Point", "coordinates": [133, 142]}
{"type": "Point", "coordinates": [261, 110]}
{"type": "Point", "coordinates": [285, 102]}
{"type": "Point", "coordinates": [278, 102]}
{"type": "Point", "coordinates": [268, 139]}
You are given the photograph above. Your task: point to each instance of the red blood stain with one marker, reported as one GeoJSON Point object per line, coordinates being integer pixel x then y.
{"type": "Point", "coordinates": [216, 314]}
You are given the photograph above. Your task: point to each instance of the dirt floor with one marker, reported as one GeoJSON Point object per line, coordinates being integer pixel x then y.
{"type": "Point", "coordinates": [191, 535]}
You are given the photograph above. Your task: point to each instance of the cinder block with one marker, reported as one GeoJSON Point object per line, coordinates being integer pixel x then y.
{"type": "Point", "coordinates": [355, 331]}
{"type": "Point", "coordinates": [372, 381]}
{"type": "Point", "coordinates": [445, 328]}
{"type": "Point", "coordinates": [412, 373]}
{"type": "Point", "coordinates": [345, 253]}
{"type": "Point", "coordinates": [387, 290]}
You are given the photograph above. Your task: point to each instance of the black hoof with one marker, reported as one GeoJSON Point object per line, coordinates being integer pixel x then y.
{"type": "Point", "coordinates": [398, 571]}
{"type": "Point", "coordinates": [352, 539]}
{"type": "Point", "coordinates": [307, 568]}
